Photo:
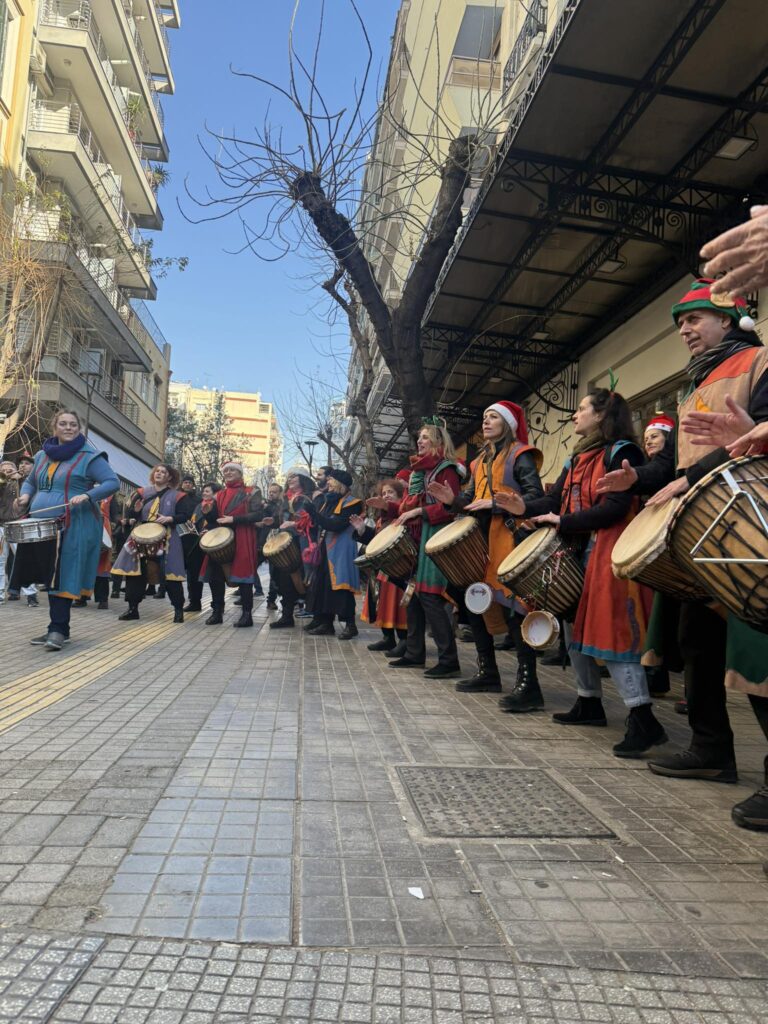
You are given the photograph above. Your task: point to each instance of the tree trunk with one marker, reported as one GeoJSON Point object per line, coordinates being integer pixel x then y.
{"type": "Point", "coordinates": [409, 377]}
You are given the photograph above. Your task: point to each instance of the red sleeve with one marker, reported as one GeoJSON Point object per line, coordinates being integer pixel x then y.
{"type": "Point", "coordinates": [438, 514]}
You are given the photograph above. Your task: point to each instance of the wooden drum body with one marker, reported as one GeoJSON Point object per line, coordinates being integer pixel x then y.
{"type": "Point", "coordinates": [459, 551]}
{"type": "Point", "coordinates": [544, 572]}
{"type": "Point", "coordinates": [219, 545]}
{"type": "Point", "coordinates": [720, 535]}
{"type": "Point", "coordinates": [393, 552]}
{"type": "Point", "coordinates": [281, 549]}
{"type": "Point", "coordinates": [148, 539]}
{"type": "Point", "coordinates": [643, 553]}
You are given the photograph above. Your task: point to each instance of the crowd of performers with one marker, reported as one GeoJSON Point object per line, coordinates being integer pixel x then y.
{"type": "Point", "coordinates": [314, 532]}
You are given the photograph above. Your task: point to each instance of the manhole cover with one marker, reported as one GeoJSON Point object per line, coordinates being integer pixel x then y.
{"type": "Point", "coordinates": [512, 803]}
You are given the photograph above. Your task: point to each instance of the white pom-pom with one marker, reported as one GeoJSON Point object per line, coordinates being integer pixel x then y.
{"type": "Point", "coordinates": [747, 323]}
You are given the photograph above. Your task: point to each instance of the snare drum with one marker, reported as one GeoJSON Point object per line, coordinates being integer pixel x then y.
{"type": "Point", "coordinates": [393, 552]}
{"type": "Point", "coordinates": [281, 549]}
{"type": "Point", "coordinates": [720, 535]}
{"type": "Point", "coordinates": [148, 538]}
{"type": "Point", "coordinates": [540, 630]}
{"type": "Point", "coordinates": [30, 531]}
{"type": "Point", "coordinates": [219, 545]}
{"type": "Point", "coordinates": [543, 571]}
{"type": "Point", "coordinates": [642, 553]}
{"type": "Point", "coordinates": [459, 551]}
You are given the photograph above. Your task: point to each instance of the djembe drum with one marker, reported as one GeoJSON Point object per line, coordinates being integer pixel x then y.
{"type": "Point", "coordinates": [459, 551]}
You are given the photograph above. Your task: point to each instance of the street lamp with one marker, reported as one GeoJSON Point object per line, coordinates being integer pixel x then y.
{"type": "Point", "coordinates": [311, 445]}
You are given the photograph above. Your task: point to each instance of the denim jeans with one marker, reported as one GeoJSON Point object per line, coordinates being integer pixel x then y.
{"type": "Point", "coordinates": [628, 677]}
{"type": "Point", "coordinates": [59, 608]}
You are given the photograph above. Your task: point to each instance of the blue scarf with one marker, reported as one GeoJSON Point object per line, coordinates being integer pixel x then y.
{"type": "Point", "coordinates": [63, 451]}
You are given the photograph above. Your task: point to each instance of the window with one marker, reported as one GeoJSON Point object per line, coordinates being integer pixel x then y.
{"type": "Point", "coordinates": [200, 407]}
{"type": "Point", "coordinates": [479, 32]}
{"type": "Point", "coordinates": [264, 408]}
{"type": "Point", "coordinates": [10, 19]}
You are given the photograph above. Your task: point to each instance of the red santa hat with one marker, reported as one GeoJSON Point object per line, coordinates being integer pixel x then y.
{"type": "Point", "coordinates": [660, 422]}
{"type": "Point", "coordinates": [512, 414]}
{"type": "Point", "coordinates": [403, 474]}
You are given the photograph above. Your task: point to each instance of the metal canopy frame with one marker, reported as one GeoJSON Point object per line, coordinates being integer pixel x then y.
{"type": "Point", "coordinates": [613, 204]}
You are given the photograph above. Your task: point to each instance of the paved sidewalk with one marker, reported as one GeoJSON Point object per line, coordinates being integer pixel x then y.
{"type": "Point", "coordinates": [192, 820]}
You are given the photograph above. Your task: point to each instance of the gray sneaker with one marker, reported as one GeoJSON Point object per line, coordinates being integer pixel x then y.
{"type": "Point", "coordinates": [55, 641]}
{"type": "Point", "coordinates": [41, 641]}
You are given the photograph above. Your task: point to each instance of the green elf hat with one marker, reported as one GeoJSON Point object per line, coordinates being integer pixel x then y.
{"type": "Point", "coordinates": [699, 296]}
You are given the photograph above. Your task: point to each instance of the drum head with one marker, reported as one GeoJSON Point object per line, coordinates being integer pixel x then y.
{"type": "Point", "coordinates": [527, 551]}
{"type": "Point", "coordinates": [478, 598]}
{"type": "Point", "coordinates": [645, 536]}
{"type": "Point", "coordinates": [148, 533]}
{"type": "Point", "coordinates": [451, 533]}
{"type": "Point", "coordinates": [384, 539]}
{"type": "Point", "coordinates": [218, 538]}
{"type": "Point", "coordinates": [277, 542]}
{"type": "Point", "coordinates": [540, 630]}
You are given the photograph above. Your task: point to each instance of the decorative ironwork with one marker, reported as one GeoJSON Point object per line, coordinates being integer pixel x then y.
{"type": "Point", "coordinates": [534, 23]}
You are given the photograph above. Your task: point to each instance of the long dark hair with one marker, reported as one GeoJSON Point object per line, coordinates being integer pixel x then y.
{"type": "Point", "coordinates": [616, 422]}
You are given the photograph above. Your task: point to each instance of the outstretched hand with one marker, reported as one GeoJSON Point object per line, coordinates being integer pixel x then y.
{"type": "Point", "coordinates": [440, 491]}
{"type": "Point", "coordinates": [718, 429]}
{"type": "Point", "coordinates": [674, 490]}
{"type": "Point", "coordinates": [618, 480]}
{"type": "Point", "coordinates": [511, 502]}
{"type": "Point", "coordinates": [740, 255]}
{"type": "Point", "coordinates": [753, 443]}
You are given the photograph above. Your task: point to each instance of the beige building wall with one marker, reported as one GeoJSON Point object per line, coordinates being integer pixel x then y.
{"type": "Point", "coordinates": [254, 423]}
{"type": "Point", "coordinates": [17, 34]}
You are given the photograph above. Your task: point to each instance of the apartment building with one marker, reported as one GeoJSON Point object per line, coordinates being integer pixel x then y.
{"type": "Point", "coordinates": [253, 427]}
{"type": "Point", "coordinates": [610, 167]}
{"type": "Point", "coordinates": [17, 25]}
{"type": "Point", "coordinates": [93, 159]}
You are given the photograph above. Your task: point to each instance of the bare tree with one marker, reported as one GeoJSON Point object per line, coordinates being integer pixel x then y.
{"type": "Point", "coordinates": [311, 187]}
{"type": "Point", "coordinates": [201, 443]}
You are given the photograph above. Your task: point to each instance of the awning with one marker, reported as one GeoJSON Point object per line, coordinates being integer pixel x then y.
{"type": "Point", "coordinates": [128, 467]}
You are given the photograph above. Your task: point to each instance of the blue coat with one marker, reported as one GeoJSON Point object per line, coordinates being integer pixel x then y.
{"type": "Point", "coordinates": [55, 483]}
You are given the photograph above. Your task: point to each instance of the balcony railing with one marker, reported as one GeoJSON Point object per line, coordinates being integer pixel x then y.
{"type": "Point", "coordinates": [68, 119]}
{"type": "Point", "coordinates": [86, 364]}
{"type": "Point", "coordinates": [143, 61]}
{"type": "Point", "coordinates": [78, 15]}
{"type": "Point", "coordinates": [535, 22]}
{"type": "Point", "coordinates": [141, 323]}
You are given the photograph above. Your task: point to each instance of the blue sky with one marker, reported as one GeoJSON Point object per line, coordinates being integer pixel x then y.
{"type": "Point", "coordinates": [234, 321]}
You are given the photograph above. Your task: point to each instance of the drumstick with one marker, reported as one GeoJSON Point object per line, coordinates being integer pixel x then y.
{"type": "Point", "coordinates": [50, 508]}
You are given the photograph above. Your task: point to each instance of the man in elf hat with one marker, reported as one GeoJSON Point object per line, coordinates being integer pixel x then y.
{"type": "Point", "coordinates": [727, 362]}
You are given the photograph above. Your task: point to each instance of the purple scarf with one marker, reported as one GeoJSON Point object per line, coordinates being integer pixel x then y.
{"type": "Point", "coordinates": [63, 451]}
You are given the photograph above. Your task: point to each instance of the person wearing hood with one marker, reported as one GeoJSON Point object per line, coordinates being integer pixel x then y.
{"type": "Point", "coordinates": [336, 578]}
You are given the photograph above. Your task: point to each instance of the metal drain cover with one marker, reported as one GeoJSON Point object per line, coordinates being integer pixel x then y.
{"type": "Point", "coordinates": [512, 803]}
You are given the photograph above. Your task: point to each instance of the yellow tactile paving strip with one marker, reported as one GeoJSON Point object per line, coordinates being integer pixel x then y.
{"type": "Point", "coordinates": [61, 676]}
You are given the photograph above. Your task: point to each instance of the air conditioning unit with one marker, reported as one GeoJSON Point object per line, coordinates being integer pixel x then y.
{"type": "Point", "coordinates": [38, 61]}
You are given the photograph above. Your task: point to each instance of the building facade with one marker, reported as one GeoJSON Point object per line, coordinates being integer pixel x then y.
{"type": "Point", "coordinates": [253, 429]}
{"type": "Point", "coordinates": [91, 166]}
{"type": "Point", "coordinates": [613, 166]}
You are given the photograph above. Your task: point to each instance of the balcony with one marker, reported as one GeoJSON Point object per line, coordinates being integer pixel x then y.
{"type": "Point", "coordinates": [65, 147]}
{"type": "Point", "coordinates": [474, 87]}
{"type": "Point", "coordinates": [128, 128]}
{"type": "Point", "coordinates": [152, 23]}
{"type": "Point", "coordinates": [535, 24]}
{"type": "Point", "coordinates": [142, 325]}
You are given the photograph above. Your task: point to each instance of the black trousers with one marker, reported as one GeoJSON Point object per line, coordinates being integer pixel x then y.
{"type": "Point", "coordinates": [101, 589]}
{"type": "Point", "coordinates": [432, 609]}
{"type": "Point", "coordinates": [289, 595]}
{"type": "Point", "coordinates": [218, 584]}
{"type": "Point", "coordinates": [193, 560]}
{"type": "Point", "coordinates": [136, 588]}
{"type": "Point", "coordinates": [702, 645]}
{"type": "Point", "coordinates": [484, 639]}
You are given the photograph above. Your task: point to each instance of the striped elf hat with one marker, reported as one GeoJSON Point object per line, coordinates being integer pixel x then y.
{"type": "Point", "coordinates": [699, 296]}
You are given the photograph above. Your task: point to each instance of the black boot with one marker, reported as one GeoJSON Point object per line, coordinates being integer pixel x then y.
{"type": "Point", "coordinates": [313, 623]}
{"type": "Point", "coordinates": [349, 632]}
{"type": "Point", "coordinates": [323, 629]}
{"type": "Point", "coordinates": [691, 765]}
{"type": "Point", "coordinates": [387, 643]}
{"type": "Point", "coordinates": [81, 602]}
{"type": "Point", "coordinates": [442, 670]}
{"type": "Point", "coordinates": [272, 604]}
{"type": "Point", "coordinates": [193, 606]}
{"type": "Point", "coordinates": [103, 606]}
{"type": "Point", "coordinates": [526, 694]}
{"type": "Point", "coordinates": [643, 732]}
{"type": "Point", "coordinates": [657, 678]}
{"type": "Point", "coordinates": [115, 592]}
{"type": "Point", "coordinates": [245, 620]}
{"type": "Point", "coordinates": [178, 615]}
{"type": "Point", "coordinates": [485, 680]}
{"type": "Point", "coordinates": [132, 613]}
{"type": "Point", "coordinates": [284, 622]}
{"type": "Point", "coordinates": [215, 618]}
{"type": "Point", "coordinates": [752, 813]}
{"type": "Point", "coordinates": [586, 711]}
{"type": "Point", "coordinates": [238, 601]}
{"type": "Point", "coordinates": [398, 651]}
{"type": "Point", "coordinates": [160, 595]}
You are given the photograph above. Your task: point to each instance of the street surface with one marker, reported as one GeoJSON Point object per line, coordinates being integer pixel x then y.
{"type": "Point", "coordinates": [208, 825]}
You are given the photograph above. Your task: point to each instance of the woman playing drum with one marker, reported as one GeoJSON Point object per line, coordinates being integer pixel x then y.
{"type": "Point", "coordinates": [390, 614]}
{"type": "Point", "coordinates": [237, 508]}
{"type": "Point", "coordinates": [155, 504]}
{"type": "Point", "coordinates": [193, 556]}
{"type": "Point", "coordinates": [506, 462]}
{"type": "Point", "coordinates": [299, 489]}
{"type": "Point", "coordinates": [611, 616]}
{"type": "Point", "coordinates": [69, 479]}
{"type": "Point", "coordinates": [435, 462]}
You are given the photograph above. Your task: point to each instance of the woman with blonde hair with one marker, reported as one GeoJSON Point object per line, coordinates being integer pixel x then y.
{"type": "Point", "coordinates": [434, 462]}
